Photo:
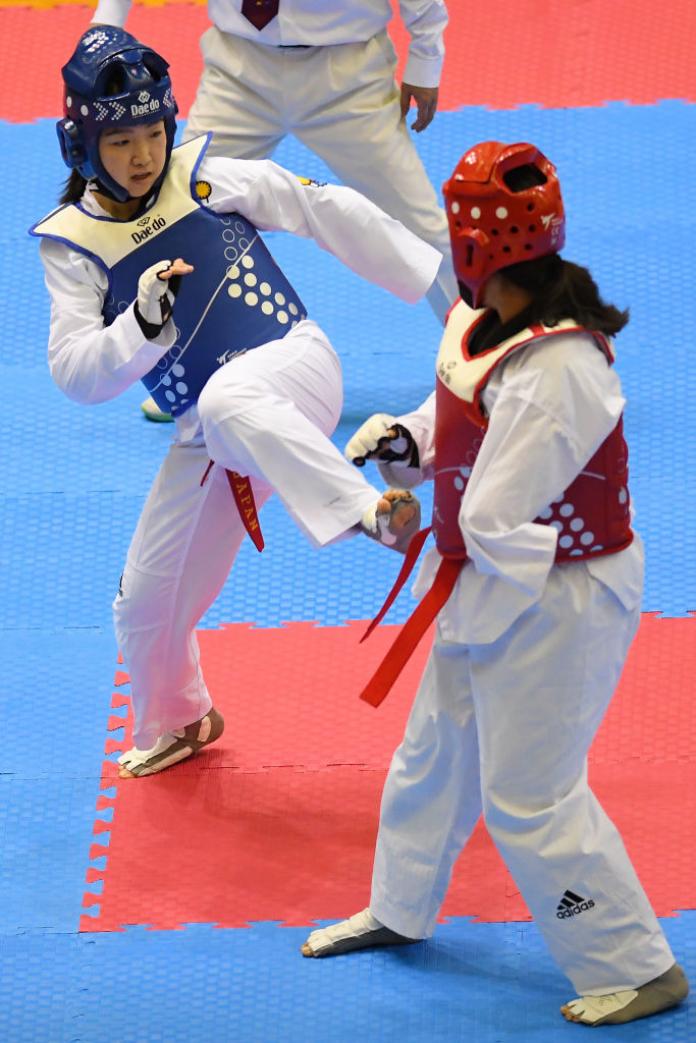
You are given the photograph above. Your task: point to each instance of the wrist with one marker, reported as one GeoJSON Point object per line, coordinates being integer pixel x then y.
{"type": "Point", "coordinates": [151, 330]}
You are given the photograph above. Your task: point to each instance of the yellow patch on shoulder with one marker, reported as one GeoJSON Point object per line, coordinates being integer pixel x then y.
{"type": "Point", "coordinates": [203, 189]}
{"type": "Point", "coordinates": [310, 181]}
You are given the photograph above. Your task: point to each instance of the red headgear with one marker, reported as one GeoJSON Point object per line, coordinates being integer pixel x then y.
{"type": "Point", "coordinates": [492, 225]}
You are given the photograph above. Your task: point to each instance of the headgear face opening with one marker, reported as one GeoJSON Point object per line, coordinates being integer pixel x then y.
{"type": "Point", "coordinates": [494, 221]}
{"type": "Point", "coordinates": [106, 58]}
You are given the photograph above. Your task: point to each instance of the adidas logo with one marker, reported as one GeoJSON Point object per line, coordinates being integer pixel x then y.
{"type": "Point", "coordinates": [572, 905]}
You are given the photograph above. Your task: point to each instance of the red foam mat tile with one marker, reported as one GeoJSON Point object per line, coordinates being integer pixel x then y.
{"type": "Point", "coordinates": [568, 53]}
{"type": "Point", "coordinates": [255, 840]}
{"type": "Point", "coordinates": [289, 697]}
{"type": "Point", "coordinates": [230, 848]}
{"type": "Point", "coordinates": [652, 717]}
{"type": "Point", "coordinates": [42, 40]}
{"type": "Point", "coordinates": [561, 53]}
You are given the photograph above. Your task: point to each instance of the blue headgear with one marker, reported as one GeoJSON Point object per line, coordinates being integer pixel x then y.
{"type": "Point", "coordinates": [106, 55]}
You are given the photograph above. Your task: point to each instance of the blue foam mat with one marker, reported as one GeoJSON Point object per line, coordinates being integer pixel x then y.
{"type": "Point", "coordinates": [46, 826]}
{"type": "Point", "coordinates": [74, 480]}
{"type": "Point", "coordinates": [79, 545]}
{"type": "Point", "coordinates": [637, 240]}
{"type": "Point", "coordinates": [472, 982]}
{"type": "Point", "coordinates": [54, 703]}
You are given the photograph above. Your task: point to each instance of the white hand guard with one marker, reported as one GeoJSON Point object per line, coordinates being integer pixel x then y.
{"type": "Point", "coordinates": [382, 438]}
{"type": "Point", "coordinates": [155, 298]}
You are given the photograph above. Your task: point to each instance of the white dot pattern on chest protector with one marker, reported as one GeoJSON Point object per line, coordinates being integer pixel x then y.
{"type": "Point", "coordinates": [241, 282]}
{"type": "Point", "coordinates": [574, 537]}
{"type": "Point", "coordinates": [460, 479]}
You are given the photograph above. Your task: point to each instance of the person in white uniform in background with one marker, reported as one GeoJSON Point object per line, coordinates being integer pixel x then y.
{"type": "Point", "coordinates": [536, 582]}
{"type": "Point", "coordinates": [156, 271]}
{"type": "Point", "coordinates": [324, 72]}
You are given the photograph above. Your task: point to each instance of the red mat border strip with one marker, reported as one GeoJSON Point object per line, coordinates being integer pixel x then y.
{"type": "Point", "coordinates": [499, 55]}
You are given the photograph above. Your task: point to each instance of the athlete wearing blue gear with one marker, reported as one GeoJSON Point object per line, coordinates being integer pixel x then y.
{"type": "Point", "coordinates": [157, 272]}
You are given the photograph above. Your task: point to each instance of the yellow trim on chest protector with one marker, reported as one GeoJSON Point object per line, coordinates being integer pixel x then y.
{"type": "Point", "coordinates": [113, 240]}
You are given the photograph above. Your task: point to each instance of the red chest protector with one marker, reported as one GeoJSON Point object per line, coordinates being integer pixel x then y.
{"type": "Point", "coordinates": [592, 516]}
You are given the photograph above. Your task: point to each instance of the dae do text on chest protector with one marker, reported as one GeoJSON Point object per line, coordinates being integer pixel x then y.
{"type": "Point", "coordinates": [235, 300]}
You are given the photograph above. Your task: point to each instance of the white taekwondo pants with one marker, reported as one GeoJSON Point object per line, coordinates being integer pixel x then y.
{"type": "Point", "coordinates": [504, 729]}
{"type": "Point", "coordinates": [267, 414]}
{"type": "Point", "coordinates": [343, 104]}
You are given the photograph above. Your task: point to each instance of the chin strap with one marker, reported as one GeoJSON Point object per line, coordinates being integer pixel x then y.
{"type": "Point", "coordinates": [98, 186]}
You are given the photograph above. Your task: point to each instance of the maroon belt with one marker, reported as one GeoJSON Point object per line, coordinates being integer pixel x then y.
{"type": "Point", "coordinates": [246, 505]}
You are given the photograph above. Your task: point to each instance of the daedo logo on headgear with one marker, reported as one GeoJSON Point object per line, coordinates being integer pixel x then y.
{"type": "Point", "coordinates": [146, 105]}
{"type": "Point", "coordinates": [148, 228]}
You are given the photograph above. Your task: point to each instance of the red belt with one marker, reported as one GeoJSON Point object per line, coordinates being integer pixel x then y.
{"type": "Point", "coordinates": [381, 682]}
{"type": "Point", "coordinates": [246, 505]}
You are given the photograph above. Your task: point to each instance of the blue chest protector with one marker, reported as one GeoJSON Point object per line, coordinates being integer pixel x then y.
{"type": "Point", "coordinates": [236, 299]}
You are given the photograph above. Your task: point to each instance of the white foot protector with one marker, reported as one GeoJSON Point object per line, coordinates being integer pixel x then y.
{"type": "Point", "coordinates": [174, 746]}
{"type": "Point", "coordinates": [142, 762]}
{"type": "Point", "coordinates": [395, 527]}
{"type": "Point", "coordinates": [592, 1009]}
{"type": "Point", "coordinates": [361, 931]}
{"type": "Point", "coordinates": [153, 412]}
{"type": "Point", "coordinates": [617, 1008]}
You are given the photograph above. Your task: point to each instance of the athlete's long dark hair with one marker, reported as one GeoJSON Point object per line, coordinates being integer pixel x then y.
{"type": "Point", "coordinates": [559, 289]}
{"type": "Point", "coordinates": [73, 188]}
{"type": "Point", "coordinates": [562, 290]}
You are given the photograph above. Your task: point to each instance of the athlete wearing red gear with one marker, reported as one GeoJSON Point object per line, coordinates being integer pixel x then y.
{"type": "Point", "coordinates": [536, 582]}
